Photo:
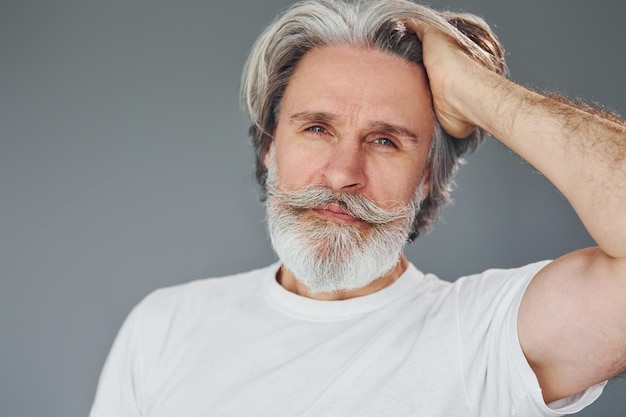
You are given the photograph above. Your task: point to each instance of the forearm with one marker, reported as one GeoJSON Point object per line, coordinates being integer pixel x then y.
{"type": "Point", "coordinates": [583, 154]}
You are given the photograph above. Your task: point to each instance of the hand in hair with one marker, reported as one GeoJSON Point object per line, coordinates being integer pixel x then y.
{"type": "Point", "coordinates": [447, 66]}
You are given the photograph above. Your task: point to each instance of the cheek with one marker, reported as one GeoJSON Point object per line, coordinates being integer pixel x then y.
{"type": "Point", "coordinates": [391, 192]}
{"type": "Point", "coordinates": [395, 180]}
{"type": "Point", "coordinates": [295, 167]}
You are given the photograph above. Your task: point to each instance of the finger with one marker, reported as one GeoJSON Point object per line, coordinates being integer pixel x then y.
{"type": "Point", "coordinates": [418, 26]}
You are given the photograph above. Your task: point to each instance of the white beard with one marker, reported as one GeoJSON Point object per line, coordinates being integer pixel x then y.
{"type": "Point", "coordinates": [328, 256]}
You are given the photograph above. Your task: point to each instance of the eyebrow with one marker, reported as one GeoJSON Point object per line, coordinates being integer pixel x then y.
{"type": "Point", "coordinates": [306, 116]}
{"type": "Point", "coordinates": [384, 127]}
{"type": "Point", "coordinates": [392, 129]}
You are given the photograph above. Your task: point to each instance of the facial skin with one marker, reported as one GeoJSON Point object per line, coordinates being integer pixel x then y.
{"type": "Point", "coordinates": [357, 121]}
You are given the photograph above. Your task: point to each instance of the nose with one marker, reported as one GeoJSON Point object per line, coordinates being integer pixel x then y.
{"type": "Point", "coordinates": [345, 167]}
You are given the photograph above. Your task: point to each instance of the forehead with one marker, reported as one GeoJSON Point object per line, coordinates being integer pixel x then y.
{"type": "Point", "coordinates": [358, 84]}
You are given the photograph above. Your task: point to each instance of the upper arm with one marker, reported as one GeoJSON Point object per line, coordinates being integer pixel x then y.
{"type": "Point", "coordinates": [572, 322]}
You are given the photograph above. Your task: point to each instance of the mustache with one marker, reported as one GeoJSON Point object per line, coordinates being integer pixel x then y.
{"type": "Point", "coordinates": [355, 204]}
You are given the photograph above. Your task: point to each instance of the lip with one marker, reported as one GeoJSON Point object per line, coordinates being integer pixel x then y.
{"type": "Point", "coordinates": [334, 211]}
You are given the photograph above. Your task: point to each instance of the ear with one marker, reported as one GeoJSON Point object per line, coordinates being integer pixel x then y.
{"type": "Point", "coordinates": [267, 156]}
{"type": "Point", "coordinates": [428, 181]}
{"type": "Point", "coordinates": [266, 160]}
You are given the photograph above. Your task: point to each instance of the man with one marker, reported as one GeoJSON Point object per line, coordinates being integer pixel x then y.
{"type": "Point", "coordinates": [361, 113]}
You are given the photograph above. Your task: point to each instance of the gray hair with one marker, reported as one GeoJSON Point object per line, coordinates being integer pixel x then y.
{"type": "Point", "coordinates": [374, 24]}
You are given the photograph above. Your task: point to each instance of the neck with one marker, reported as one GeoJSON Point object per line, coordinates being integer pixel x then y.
{"type": "Point", "coordinates": [288, 281]}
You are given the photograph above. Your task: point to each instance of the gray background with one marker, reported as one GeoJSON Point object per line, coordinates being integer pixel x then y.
{"type": "Point", "coordinates": [125, 166]}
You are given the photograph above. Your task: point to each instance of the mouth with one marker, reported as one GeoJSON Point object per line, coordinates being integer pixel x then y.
{"type": "Point", "coordinates": [335, 211]}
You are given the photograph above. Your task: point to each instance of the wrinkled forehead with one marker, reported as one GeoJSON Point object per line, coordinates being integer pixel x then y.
{"type": "Point", "coordinates": [345, 80]}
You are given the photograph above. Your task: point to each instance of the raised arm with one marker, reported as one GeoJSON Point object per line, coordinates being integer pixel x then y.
{"type": "Point", "coordinates": [572, 321]}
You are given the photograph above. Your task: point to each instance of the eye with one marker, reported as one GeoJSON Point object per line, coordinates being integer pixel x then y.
{"type": "Point", "coordinates": [317, 129]}
{"type": "Point", "coordinates": [384, 142]}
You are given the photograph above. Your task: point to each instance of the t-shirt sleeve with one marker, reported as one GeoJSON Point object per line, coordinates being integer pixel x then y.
{"type": "Point", "coordinates": [118, 392]}
{"type": "Point", "coordinates": [499, 381]}
{"type": "Point", "coordinates": [148, 334]}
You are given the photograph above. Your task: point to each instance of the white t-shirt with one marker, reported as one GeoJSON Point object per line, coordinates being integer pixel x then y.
{"type": "Point", "coordinates": [244, 346]}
